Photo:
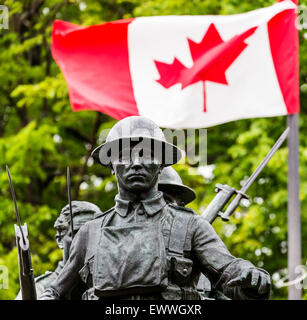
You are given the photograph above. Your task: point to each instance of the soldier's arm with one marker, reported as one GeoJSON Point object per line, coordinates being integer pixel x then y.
{"type": "Point", "coordinates": [68, 278]}
{"type": "Point", "coordinates": [223, 269]}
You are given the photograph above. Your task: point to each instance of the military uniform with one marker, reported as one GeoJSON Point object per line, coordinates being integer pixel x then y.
{"type": "Point", "coordinates": [190, 243]}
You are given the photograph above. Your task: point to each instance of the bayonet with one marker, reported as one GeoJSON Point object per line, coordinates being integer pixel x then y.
{"type": "Point", "coordinates": [15, 204]}
{"type": "Point", "coordinates": [69, 202]}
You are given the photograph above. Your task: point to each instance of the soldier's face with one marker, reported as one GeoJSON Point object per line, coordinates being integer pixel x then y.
{"type": "Point", "coordinates": [61, 226]}
{"type": "Point", "coordinates": [173, 199]}
{"type": "Point", "coordinates": [136, 169]}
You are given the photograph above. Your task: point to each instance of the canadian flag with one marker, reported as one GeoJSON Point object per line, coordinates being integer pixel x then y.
{"type": "Point", "coordinates": [184, 71]}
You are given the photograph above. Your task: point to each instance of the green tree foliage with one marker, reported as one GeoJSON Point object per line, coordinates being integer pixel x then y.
{"type": "Point", "coordinates": [40, 136]}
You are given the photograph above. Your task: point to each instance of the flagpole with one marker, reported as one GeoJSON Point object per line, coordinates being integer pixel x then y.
{"type": "Point", "coordinates": [294, 218]}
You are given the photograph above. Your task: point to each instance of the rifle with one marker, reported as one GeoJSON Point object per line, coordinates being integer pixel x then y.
{"type": "Point", "coordinates": [26, 276]}
{"type": "Point", "coordinates": [69, 202]}
{"type": "Point", "coordinates": [225, 193]}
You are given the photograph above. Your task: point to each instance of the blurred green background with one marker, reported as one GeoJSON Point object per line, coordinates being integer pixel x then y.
{"type": "Point", "coordinates": [40, 136]}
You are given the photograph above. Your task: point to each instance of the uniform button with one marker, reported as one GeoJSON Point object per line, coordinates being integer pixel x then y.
{"type": "Point", "coordinates": [140, 212]}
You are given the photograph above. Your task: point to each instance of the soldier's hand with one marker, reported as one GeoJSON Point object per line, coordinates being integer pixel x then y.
{"type": "Point", "coordinates": [254, 279]}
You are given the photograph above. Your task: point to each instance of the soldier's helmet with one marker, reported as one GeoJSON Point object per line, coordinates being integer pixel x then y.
{"type": "Point", "coordinates": [171, 183]}
{"type": "Point", "coordinates": [82, 211]}
{"type": "Point", "coordinates": [136, 131]}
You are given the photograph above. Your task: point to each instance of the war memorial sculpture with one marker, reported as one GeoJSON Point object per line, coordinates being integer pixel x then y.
{"type": "Point", "coordinates": [146, 246]}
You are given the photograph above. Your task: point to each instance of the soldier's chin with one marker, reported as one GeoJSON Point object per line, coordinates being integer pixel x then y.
{"type": "Point", "coordinates": [138, 186]}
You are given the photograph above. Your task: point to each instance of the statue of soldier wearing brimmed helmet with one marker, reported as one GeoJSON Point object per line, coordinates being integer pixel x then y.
{"type": "Point", "coordinates": [173, 188]}
{"type": "Point", "coordinates": [145, 247]}
{"type": "Point", "coordinates": [82, 211]}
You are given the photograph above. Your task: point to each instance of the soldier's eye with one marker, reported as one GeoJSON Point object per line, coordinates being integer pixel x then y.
{"type": "Point", "coordinates": [124, 156]}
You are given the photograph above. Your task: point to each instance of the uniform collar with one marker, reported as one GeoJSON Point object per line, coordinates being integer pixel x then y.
{"type": "Point", "coordinates": [151, 206]}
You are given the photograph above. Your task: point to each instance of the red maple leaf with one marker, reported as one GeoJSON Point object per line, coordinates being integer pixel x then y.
{"type": "Point", "coordinates": [211, 58]}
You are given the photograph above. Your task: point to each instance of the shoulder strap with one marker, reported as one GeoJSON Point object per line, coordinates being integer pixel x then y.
{"type": "Point", "coordinates": [181, 208]}
{"type": "Point", "coordinates": [178, 232]}
{"type": "Point", "coordinates": [102, 213]}
{"type": "Point", "coordinates": [105, 217]}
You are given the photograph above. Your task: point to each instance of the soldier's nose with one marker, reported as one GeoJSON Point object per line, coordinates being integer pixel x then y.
{"type": "Point", "coordinates": [136, 163]}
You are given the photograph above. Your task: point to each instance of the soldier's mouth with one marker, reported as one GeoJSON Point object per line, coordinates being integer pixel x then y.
{"type": "Point", "coordinates": [136, 176]}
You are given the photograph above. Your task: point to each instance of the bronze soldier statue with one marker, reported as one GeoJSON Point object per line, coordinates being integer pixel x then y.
{"type": "Point", "coordinates": [82, 212]}
{"type": "Point", "coordinates": [173, 188]}
{"type": "Point", "coordinates": [144, 247]}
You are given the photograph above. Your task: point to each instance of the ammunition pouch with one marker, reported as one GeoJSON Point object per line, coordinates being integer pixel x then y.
{"type": "Point", "coordinates": [180, 270]}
